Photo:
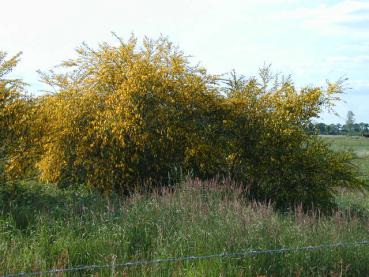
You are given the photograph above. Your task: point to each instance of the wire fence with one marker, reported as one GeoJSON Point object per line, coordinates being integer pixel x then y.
{"type": "Point", "coordinates": [114, 266]}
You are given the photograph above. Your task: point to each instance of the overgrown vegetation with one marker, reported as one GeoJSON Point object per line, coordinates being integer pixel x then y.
{"type": "Point", "coordinates": [42, 227]}
{"type": "Point", "coordinates": [128, 116]}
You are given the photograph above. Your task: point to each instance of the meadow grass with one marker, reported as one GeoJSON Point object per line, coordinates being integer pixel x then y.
{"type": "Point", "coordinates": [43, 227]}
{"type": "Point", "coordinates": [358, 146]}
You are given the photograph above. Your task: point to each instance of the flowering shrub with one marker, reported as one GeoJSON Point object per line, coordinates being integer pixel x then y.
{"type": "Point", "coordinates": [125, 116]}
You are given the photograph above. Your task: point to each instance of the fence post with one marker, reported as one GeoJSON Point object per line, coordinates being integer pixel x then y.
{"type": "Point", "coordinates": [113, 259]}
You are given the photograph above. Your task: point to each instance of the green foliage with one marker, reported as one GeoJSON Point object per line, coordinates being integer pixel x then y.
{"type": "Point", "coordinates": [350, 120]}
{"type": "Point", "coordinates": [126, 117]}
{"type": "Point", "coordinates": [357, 129]}
{"type": "Point", "coordinates": [67, 228]}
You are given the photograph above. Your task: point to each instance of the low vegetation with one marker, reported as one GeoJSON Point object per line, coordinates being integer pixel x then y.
{"type": "Point", "coordinates": [43, 227]}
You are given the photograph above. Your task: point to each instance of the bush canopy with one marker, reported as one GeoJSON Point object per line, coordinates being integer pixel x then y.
{"type": "Point", "coordinates": [133, 115]}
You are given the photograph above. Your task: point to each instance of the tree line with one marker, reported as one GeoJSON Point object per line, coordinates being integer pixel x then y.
{"type": "Point", "coordinates": [357, 129]}
{"type": "Point", "coordinates": [349, 128]}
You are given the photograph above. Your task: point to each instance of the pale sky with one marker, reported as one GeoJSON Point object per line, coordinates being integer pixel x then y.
{"type": "Point", "coordinates": [311, 40]}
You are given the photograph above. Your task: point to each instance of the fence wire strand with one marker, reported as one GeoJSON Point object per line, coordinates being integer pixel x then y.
{"type": "Point", "coordinates": [190, 258]}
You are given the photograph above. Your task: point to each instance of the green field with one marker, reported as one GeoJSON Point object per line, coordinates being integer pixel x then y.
{"type": "Point", "coordinates": [42, 227]}
{"type": "Point", "coordinates": [358, 146]}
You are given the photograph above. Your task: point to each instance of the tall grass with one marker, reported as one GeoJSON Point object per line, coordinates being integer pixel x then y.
{"type": "Point", "coordinates": [42, 227]}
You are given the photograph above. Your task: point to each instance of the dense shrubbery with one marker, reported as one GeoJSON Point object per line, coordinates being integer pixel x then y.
{"type": "Point", "coordinates": [124, 116]}
{"type": "Point", "coordinates": [15, 112]}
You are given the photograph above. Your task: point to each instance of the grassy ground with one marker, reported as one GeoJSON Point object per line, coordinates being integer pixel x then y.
{"type": "Point", "coordinates": [359, 146]}
{"type": "Point", "coordinates": [43, 227]}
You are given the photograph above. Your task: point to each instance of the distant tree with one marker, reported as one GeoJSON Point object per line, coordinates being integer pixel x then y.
{"type": "Point", "coordinates": [332, 129]}
{"type": "Point", "coordinates": [364, 127]}
{"type": "Point", "coordinates": [350, 120]}
{"type": "Point", "coordinates": [356, 128]}
{"type": "Point", "coordinates": [339, 128]}
{"type": "Point", "coordinates": [322, 128]}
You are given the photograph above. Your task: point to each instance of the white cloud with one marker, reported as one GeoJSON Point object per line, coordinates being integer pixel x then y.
{"type": "Point", "coordinates": [334, 60]}
{"type": "Point", "coordinates": [343, 18]}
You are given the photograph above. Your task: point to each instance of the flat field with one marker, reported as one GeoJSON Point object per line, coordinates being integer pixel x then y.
{"type": "Point", "coordinates": [358, 146]}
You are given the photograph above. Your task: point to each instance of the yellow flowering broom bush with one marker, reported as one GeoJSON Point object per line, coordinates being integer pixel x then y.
{"type": "Point", "coordinates": [127, 116]}
{"type": "Point", "coordinates": [15, 112]}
